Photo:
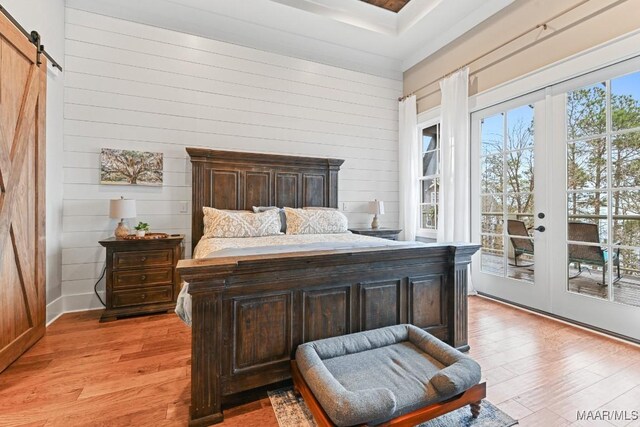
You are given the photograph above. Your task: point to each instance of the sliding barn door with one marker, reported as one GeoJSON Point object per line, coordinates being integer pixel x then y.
{"type": "Point", "coordinates": [22, 186]}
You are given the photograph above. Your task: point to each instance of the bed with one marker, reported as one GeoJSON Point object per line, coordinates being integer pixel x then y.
{"type": "Point", "coordinates": [252, 303]}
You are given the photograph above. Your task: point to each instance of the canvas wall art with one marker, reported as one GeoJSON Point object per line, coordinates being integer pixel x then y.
{"type": "Point", "coordinates": [128, 167]}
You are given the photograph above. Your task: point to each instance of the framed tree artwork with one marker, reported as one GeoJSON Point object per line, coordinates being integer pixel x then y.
{"type": "Point", "coordinates": [128, 167]}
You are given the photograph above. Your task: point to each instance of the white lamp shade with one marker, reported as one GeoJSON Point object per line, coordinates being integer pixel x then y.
{"type": "Point", "coordinates": [376, 207]}
{"type": "Point", "coordinates": [122, 208]}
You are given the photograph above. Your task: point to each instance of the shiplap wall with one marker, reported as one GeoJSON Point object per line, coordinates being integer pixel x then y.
{"type": "Point", "coordinates": [133, 86]}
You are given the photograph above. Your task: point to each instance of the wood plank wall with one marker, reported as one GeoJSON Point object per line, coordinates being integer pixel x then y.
{"type": "Point", "coordinates": [134, 86]}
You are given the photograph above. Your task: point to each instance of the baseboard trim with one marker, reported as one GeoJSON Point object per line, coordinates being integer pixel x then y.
{"type": "Point", "coordinates": [571, 322]}
{"type": "Point", "coordinates": [73, 304]}
{"type": "Point", "coordinates": [54, 310]}
{"type": "Point", "coordinates": [82, 302]}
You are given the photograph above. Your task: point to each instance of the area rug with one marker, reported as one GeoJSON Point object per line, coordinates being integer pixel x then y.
{"type": "Point", "coordinates": [291, 411]}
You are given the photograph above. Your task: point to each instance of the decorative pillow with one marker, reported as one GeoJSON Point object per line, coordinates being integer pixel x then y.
{"type": "Point", "coordinates": [219, 223]}
{"type": "Point", "coordinates": [283, 217]}
{"type": "Point", "coordinates": [314, 221]}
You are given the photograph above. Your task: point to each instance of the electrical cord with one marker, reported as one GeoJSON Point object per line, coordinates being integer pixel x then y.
{"type": "Point", "coordinates": [95, 287]}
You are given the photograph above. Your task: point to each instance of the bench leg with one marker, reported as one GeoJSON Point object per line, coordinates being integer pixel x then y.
{"type": "Point", "coordinates": [475, 409]}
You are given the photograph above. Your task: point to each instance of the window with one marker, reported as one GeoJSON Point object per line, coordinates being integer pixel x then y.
{"type": "Point", "coordinates": [430, 180]}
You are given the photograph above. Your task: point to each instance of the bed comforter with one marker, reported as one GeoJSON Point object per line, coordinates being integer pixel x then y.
{"type": "Point", "coordinates": [278, 244]}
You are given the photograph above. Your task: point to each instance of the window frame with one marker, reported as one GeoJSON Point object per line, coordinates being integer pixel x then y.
{"type": "Point", "coordinates": [434, 119]}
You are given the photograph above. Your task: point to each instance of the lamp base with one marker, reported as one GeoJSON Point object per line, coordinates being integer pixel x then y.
{"type": "Point", "coordinates": [374, 223]}
{"type": "Point", "coordinates": [121, 230]}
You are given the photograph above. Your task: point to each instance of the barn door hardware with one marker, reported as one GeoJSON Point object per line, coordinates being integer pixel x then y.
{"type": "Point", "coordinates": [33, 37]}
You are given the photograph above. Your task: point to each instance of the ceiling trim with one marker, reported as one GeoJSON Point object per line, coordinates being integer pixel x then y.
{"type": "Point", "coordinates": [349, 34]}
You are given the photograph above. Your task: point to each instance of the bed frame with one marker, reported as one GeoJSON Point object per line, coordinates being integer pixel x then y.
{"type": "Point", "coordinates": [250, 313]}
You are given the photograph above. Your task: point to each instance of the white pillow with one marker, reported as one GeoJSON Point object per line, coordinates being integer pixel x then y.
{"type": "Point", "coordinates": [315, 221]}
{"type": "Point", "coordinates": [219, 223]}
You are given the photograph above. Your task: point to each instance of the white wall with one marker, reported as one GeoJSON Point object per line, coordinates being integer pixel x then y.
{"type": "Point", "coordinates": [129, 85]}
{"type": "Point", "coordinates": [47, 17]}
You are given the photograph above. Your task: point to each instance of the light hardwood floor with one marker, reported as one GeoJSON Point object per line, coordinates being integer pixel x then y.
{"type": "Point", "coordinates": [135, 372]}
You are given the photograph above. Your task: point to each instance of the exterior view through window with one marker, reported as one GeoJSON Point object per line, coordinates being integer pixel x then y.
{"type": "Point", "coordinates": [430, 180]}
{"type": "Point", "coordinates": [507, 186]}
{"type": "Point", "coordinates": [603, 189]}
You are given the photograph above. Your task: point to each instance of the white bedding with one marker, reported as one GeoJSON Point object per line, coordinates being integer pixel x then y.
{"type": "Point", "coordinates": [277, 244]}
{"type": "Point", "coordinates": [295, 243]}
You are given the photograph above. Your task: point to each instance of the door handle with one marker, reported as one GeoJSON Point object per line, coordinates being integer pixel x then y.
{"type": "Point", "coordinates": [540, 228]}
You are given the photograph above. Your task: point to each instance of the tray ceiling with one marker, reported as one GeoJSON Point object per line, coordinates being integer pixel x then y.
{"type": "Point", "coordinates": [392, 5]}
{"type": "Point", "coordinates": [350, 34]}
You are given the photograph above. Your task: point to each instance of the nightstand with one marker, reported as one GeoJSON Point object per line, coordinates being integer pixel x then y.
{"type": "Point", "coordinates": [141, 276]}
{"type": "Point", "coordinates": [383, 233]}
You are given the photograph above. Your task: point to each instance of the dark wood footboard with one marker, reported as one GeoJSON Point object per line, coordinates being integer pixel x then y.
{"type": "Point", "coordinates": [250, 313]}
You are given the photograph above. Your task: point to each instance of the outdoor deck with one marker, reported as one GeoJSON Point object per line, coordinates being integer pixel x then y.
{"type": "Point", "coordinates": [625, 291]}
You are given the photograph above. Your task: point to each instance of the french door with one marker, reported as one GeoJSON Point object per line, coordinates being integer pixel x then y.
{"type": "Point", "coordinates": [556, 199]}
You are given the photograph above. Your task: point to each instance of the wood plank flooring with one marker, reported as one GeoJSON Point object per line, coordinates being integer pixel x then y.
{"type": "Point", "coordinates": [135, 372]}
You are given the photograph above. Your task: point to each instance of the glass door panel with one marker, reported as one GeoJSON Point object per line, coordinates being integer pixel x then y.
{"type": "Point", "coordinates": [625, 188]}
{"type": "Point", "coordinates": [505, 204]}
{"type": "Point", "coordinates": [603, 190]}
{"type": "Point", "coordinates": [507, 188]}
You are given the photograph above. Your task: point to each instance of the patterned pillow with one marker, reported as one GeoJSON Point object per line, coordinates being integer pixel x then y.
{"type": "Point", "coordinates": [315, 221]}
{"type": "Point", "coordinates": [283, 217]}
{"type": "Point", "coordinates": [219, 223]}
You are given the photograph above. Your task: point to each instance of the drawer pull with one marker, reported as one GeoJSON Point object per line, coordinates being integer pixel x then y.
{"type": "Point", "coordinates": [143, 259]}
{"type": "Point", "coordinates": [143, 278]}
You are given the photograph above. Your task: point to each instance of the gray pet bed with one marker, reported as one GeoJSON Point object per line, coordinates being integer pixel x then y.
{"type": "Point", "coordinates": [378, 375]}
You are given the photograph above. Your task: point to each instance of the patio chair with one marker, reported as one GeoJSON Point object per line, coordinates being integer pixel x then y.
{"type": "Point", "coordinates": [521, 246]}
{"type": "Point", "coordinates": [593, 255]}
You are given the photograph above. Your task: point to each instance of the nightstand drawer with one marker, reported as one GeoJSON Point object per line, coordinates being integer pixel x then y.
{"type": "Point", "coordinates": [142, 258]}
{"type": "Point", "coordinates": [142, 296]}
{"type": "Point", "coordinates": [136, 278]}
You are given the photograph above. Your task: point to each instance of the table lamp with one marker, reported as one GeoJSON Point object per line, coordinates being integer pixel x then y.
{"type": "Point", "coordinates": [122, 208]}
{"type": "Point", "coordinates": [376, 208]}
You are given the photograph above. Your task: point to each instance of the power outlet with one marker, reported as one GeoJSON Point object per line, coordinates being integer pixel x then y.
{"type": "Point", "coordinates": [184, 207]}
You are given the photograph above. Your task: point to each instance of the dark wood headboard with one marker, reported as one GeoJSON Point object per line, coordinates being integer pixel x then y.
{"type": "Point", "coordinates": [239, 180]}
